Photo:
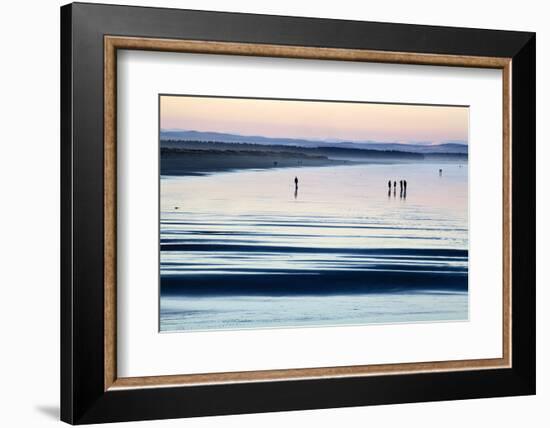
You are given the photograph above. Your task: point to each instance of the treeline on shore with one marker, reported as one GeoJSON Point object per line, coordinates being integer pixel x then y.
{"type": "Point", "coordinates": [182, 146]}
{"type": "Point", "coordinates": [185, 157]}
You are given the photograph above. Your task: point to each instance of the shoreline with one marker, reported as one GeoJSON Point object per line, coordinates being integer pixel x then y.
{"type": "Point", "coordinates": [181, 158]}
{"type": "Point", "coordinates": [205, 164]}
{"type": "Point", "coordinates": [182, 164]}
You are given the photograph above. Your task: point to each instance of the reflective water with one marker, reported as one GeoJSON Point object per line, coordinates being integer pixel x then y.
{"type": "Point", "coordinates": [244, 249]}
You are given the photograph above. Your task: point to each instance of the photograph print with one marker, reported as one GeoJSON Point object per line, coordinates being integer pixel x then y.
{"type": "Point", "coordinates": [280, 213]}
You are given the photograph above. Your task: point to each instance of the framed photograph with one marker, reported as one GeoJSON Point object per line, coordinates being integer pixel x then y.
{"type": "Point", "coordinates": [266, 213]}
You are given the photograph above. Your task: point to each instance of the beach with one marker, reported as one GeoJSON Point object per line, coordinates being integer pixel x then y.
{"type": "Point", "coordinates": [243, 248]}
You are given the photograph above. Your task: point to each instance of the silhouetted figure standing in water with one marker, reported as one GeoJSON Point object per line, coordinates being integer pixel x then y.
{"type": "Point", "coordinates": [295, 187]}
{"type": "Point", "coordinates": [405, 185]}
{"type": "Point", "coordinates": [440, 172]}
{"type": "Point", "coordinates": [389, 184]}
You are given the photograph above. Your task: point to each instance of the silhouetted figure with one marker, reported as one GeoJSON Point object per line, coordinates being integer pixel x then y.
{"type": "Point", "coordinates": [394, 184]}
{"type": "Point", "coordinates": [296, 182]}
{"type": "Point", "coordinates": [401, 185]}
{"type": "Point", "coordinates": [440, 172]}
{"type": "Point", "coordinates": [405, 185]}
{"type": "Point", "coordinates": [389, 185]}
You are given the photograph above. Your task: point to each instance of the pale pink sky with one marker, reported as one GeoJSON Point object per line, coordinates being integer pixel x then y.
{"type": "Point", "coordinates": [316, 120]}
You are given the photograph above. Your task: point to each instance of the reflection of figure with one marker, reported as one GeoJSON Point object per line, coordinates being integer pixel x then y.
{"type": "Point", "coordinates": [389, 192]}
{"type": "Point", "coordinates": [296, 193]}
{"type": "Point", "coordinates": [440, 172]}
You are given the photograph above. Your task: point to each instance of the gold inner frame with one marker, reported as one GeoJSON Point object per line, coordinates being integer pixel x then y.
{"type": "Point", "coordinates": [113, 43]}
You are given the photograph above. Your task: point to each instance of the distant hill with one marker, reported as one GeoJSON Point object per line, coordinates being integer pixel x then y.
{"type": "Point", "coordinates": [448, 148]}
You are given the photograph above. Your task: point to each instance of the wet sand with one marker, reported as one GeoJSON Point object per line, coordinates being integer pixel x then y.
{"type": "Point", "coordinates": [242, 250]}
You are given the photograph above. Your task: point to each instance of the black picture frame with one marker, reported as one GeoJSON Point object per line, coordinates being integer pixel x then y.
{"type": "Point", "coordinates": [83, 396]}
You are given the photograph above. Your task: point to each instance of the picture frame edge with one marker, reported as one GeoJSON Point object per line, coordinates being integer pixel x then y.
{"type": "Point", "coordinates": [88, 397]}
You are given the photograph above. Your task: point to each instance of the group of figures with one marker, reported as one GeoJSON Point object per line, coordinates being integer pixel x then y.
{"type": "Point", "coordinates": [402, 188]}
